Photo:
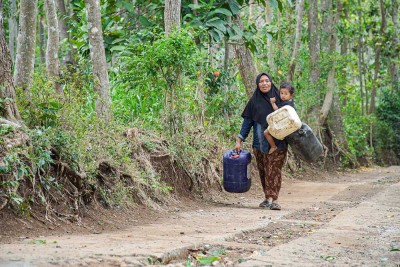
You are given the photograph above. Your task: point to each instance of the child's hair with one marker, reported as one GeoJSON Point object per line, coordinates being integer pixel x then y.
{"type": "Point", "coordinates": [288, 86]}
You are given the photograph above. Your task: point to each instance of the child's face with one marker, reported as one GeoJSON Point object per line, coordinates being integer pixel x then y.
{"type": "Point", "coordinates": [285, 94]}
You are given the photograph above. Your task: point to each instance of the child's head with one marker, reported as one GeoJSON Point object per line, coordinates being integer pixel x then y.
{"type": "Point", "coordinates": [286, 91]}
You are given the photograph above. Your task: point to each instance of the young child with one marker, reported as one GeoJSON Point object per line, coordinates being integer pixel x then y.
{"type": "Point", "coordinates": [286, 92]}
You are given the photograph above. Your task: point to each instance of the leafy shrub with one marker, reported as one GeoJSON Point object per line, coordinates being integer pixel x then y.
{"type": "Point", "coordinates": [153, 78]}
{"type": "Point", "coordinates": [388, 128]}
{"type": "Point", "coordinates": [27, 173]}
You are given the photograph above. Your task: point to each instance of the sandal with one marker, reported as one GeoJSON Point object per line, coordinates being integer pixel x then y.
{"type": "Point", "coordinates": [265, 204]}
{"type": "Point", "coordinates": [274, 206]}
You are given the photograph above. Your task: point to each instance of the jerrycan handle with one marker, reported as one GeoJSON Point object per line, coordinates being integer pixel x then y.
{"type": "Point", "coordinates": [302, 131]}
{"type": "Point", "coordinates": [234, 154]}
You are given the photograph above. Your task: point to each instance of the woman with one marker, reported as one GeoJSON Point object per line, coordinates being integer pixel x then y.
{"type": "Point", "coordinates": [254, 115]}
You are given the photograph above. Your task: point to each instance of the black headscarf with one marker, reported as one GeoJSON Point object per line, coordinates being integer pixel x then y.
{"type": "Point", "coordinates": [259, 105]}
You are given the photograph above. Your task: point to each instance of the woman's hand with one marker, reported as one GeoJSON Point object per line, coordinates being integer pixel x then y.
{"type": "Point", "coordinates": [238, 145]}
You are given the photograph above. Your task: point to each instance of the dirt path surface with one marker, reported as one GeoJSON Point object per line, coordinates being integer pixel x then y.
{"type": "Point", "coordinates": [343, 220]}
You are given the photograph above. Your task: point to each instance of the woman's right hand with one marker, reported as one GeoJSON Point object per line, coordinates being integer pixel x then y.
{"type": "Point", "coordinates": [238, 145]}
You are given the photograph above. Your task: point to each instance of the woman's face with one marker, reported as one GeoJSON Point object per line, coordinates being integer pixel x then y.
{"type": "Point", "coordinates": [264, 84]}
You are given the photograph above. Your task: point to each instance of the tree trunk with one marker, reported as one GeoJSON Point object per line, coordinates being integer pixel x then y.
{"type": "Point", "coordinates": [378, 47]}
{"type": "Point", "coordinates": [8, 107]}
{"type": "Point", "coordinates": [42, 40]}
{"type": "Point", "coordinates": [360, 60]}
{"type": "Point", "coordinates": [247, 67]}
{"type": "Point", "coordinates": [336, 129]}
{"type": "Point", "coordinates": [12, 28]}
{"type": "Point", "coordinates": [325, 30]}
{"type": "Point", "coordinates": [26, 45]}
{"type": "Point", "coordinates": [343, 9]}
{"type": "Point", "coordinates": [330, 26]}
{"type": "Point", "coordinates": [251, 11]}
{"type": "Point", "coordinates": [172, 15]}
{"type": "Point", "coordinates": [270, 46]}
{"type": "Point", "coordinates": [98, 57]}
{"type": "Point", "coordinates": [394, 61]}
{"type": "Point", "coordinates": [314, 49]}
{"type": "Point", "coordinates": [63, 28]}
{"type": "Point", "coordinates": [343, 12]}
{"type": "Point", "coordinates": [200, 85]}
{"type": "Point", "coordinates": [62, 25]}
{"type": "Point", "coordinates": [336, 121]}
{"type": "Point", "coordinates": [52, 61]}
{"type": "Point", "coordinates": [313, 41]}
{"type": "Point", "coordinates": [227, 50]}
{"type": "Point", "coordinates": [226, 55]}
{"type": "Point", "coordinates": [73, 17]}
{"type": "Point", "coordinates": [326, 106]}
{"type": "Point", "coordinates": [292, 66]}
{"type": "Point", "coordinates": [197, 38]}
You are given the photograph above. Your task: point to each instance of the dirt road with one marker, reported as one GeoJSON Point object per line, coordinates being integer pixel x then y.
{"type": "Point", "coordinates": [346, 220]}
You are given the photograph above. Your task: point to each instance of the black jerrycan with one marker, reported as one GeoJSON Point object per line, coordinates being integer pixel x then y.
{"type": "Point", "coordinates": [236, 169]}
{"type": "Point", "coordinates": [305, 144]}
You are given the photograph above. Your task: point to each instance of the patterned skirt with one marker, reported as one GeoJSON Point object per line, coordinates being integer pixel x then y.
{"type": "Point", "coordinates": [270, 171]}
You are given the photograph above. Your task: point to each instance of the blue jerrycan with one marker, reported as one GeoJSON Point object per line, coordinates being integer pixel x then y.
{"type": "Point", "coordinates": [236, 169]}
{"type": "Point", "coordinates": [305, 144]}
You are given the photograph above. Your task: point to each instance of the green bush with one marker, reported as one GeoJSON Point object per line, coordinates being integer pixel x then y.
{"type": "Point", "coordinates": [388, 115]}
{"type": "Point", "coordinates": [156, 78]}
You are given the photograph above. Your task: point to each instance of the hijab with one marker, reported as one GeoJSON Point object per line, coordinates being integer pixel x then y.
{"type": "Point", "coordinates": [259, 105]}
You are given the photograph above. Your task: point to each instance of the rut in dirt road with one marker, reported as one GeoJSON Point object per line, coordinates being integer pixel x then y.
{"type": "Point", "coordinates": [346, 220]}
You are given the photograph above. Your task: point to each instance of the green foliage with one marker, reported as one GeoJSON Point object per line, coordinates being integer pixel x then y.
{"type": "Point", "coordinates": [223, 111]}
{"type": "Point", "coordinates": [388, 116]}
{"type": "Point", "coordinates": [43, 107]}
{"type": "Point", "coordinates": [114, 29]}
{"type": "Point", "coordinates": [213, 17]}
{"type": "Point", "coordinates": [171, 57]}
{"type": "Point", "coordinates": [137, 87]}
{"type": "Point", "coordinates": [216, 81]}
{"type": "Point", "coordinates": [33, 165]}
{"type": "Point", "coordinates": [386, 139]}
{"type": "Point", "coordinates": [146, 15]}
{"type": "Point", "coordinates": [357, 131]}
{"type": "Point", "coordinates": [213, 21]}
{"type": "Point", "coordinates": [207, 260]}
{"type": "Point", "coordinates": [4, 101]}
{"type": "Point", "coordinates": [6, 129]}
{"type": "Point", "coordinates": [389, 107]}
{"type": "Point", "coordinates": [12, 170]}
{"type": "Point", "coordinates": [153, 77]}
